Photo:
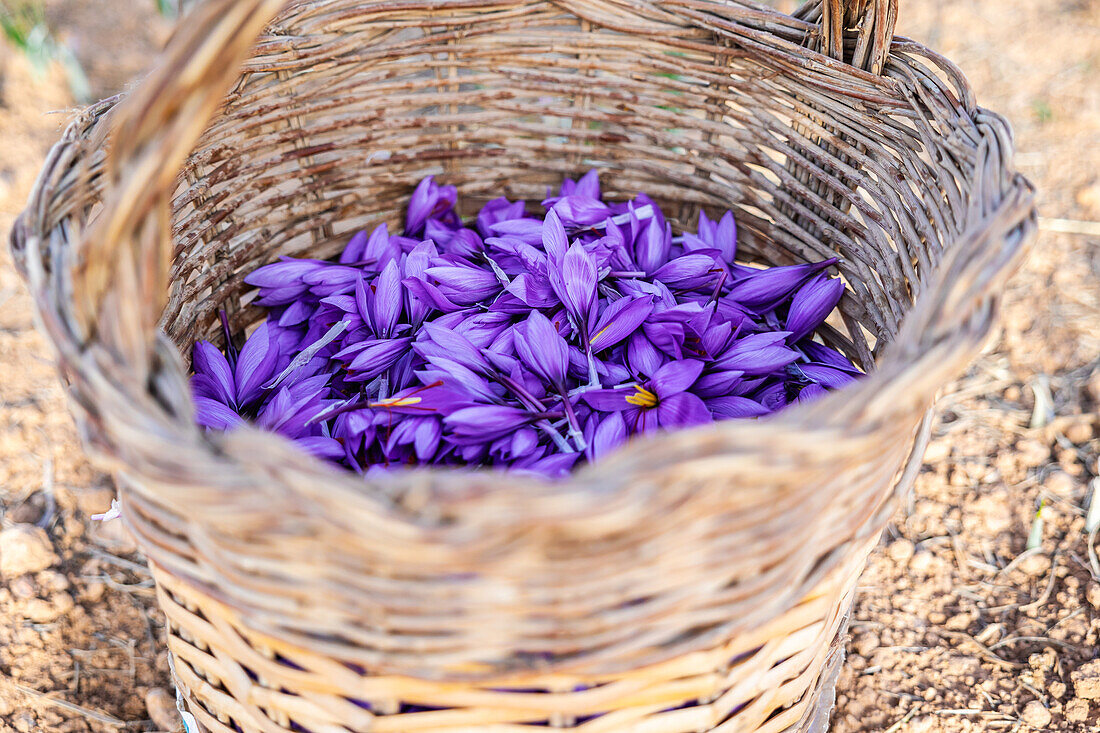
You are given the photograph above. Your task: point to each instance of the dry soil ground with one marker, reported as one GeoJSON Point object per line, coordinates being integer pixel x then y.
{"type": "Point", "coordinates": [957, 628]}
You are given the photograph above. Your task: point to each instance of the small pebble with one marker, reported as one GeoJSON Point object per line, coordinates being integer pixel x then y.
{"type": "Point", "coordinates": [901, 550]}
{"type": "Point", "coordinates": [53, 580]}
{"type": "Point", "coordinates": [25, 548]}
{"type": "Point", "coordinates": [865, 644]}
{"type": "Point", "coordinates": [1057, 689]}
{"type": "Point", "coordinates": [39, 611]}
{"type": "Point", "coordinates": [23, 588]}
{"type": "Point", "coordinates": [1032, 453]}
{"type": "Point", "coordinates": [1093, 594]}
{"type": "Point", "coordinates": [959, 622]}
{"type": "Point", "coordinates": [93, 591]}
{"type": "Point", "coordinates": [923, 724]}
{"type": "Point", "coordinates": [1060, 483]}
{"type": "Point", "coordinates": [1036, 715]}
{"type": "Point", "coordinates": [1077, 710]}
{"type": "Point", "coordinates": [1086, 680]}
{"type": "Point", "coordinates": [62, 603]}
{"type": "Point", "coordinates": [1034, 565]}
{"type": "Point", "coordinates": [924, 563]}
{"type": "Point", "coordinates": [74, 527]}
{"type": "Point", "coordinates": [161, 705]}
{"type": "Point", "coordinates": [1079, 433]}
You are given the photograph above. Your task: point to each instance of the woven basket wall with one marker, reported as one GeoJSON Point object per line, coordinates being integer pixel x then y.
{"type": "Point", "coordinates": [697, 581]}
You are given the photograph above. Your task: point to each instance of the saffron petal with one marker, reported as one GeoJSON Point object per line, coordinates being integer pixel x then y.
{"type": "Point", "coordinates": [812, 304]}
{"type": "Point", "coordinates": [609, 435]}
{"type": "Point", "coordinates": [255, 365]}
{"type": "Point", "coordinates": [734, 406]}
{"type": "Point", "coordinates": [217, 415]}
{"type": "Point", "coordinates": [682, 410]}
{"type": "Point", "coordinates": [209, 362]}
{"type": "Point", "coordinates": [676, 377]}
{"type": "Point", "coordinates": [619, 320]}
{"type": "Point", "coordinates": [542, 349]}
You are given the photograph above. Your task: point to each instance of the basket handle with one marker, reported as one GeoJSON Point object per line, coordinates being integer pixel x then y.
{"type": "Point", "coordinates": [873, 19]}
{"type": "Point", "coordinates": [126, 253]}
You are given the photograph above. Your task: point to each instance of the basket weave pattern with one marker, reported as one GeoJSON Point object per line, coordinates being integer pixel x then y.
{"type": "Point", "coordinates": [697, 581]}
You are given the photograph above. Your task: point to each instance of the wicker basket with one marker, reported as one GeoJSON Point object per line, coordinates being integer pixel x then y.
{"type": "Point", "coordinates": [698, 581]}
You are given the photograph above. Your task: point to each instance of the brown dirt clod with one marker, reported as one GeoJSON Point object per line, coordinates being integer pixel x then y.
{"type": "Point", "coordinates": [25, 548]}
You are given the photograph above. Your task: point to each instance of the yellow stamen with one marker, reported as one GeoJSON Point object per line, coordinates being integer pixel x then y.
{"type": "Point", "coordinates": [396, 402]}
{"type": "Point", "coordinates": [643, 398]}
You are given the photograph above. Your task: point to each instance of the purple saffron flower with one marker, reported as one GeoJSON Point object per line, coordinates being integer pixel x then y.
{"type": "Point", "coordinates": [449, 344]}
{"type": "Point", "coordinates": [812, 304]}
{"type": "Point", "coordinates": [663, 401]}
{"type": "Point", "coordinates": [825, 375]}
{"type": "Point", "coordinates": [575, 284]}
{"type": "Point", "coordinates": [824, 355]}
{"type": "Point", "coordinates": [255, 366]}
{"type": "Point", "coordinates": [464, 284]}
{"type": "Point", "coordinates": [525, 230]}
{"type": "Point", "coordinates": [292, 410]}
{"type": "Point", "coordinates": [371, 358]}
{"type": "Point", "coordinates": [652, 248]}
{"type": "Point", "coordinates": [764, 289]}
{"type": "Point", "coordinates": [734, 406]}
{"type": "Point", "coordinates": [811, 392]}
{"type": "Point", "coordinates": [465, 243]}
{"type": "Point", "coordinates": [217, 415]}
{"type": "Point", "coordinates": [486, 422]}
{"type": "Point", "coordinates": [579, 212]}
{"type": "Point", "coordinates": [551, 467]}
{"type": "Point", "coordinates": [428, 200]}
{"type": "Point", "coordinates": [375, 250]}
{"type": "Point", "coordinates": [321, 446]}
{"type": "Point", "coordinates": [720, 235]}
{"type": "Point", "coordinates": [718, 383]}
{"type": "Point", "coordinates": [643, 357]}
{"type": "Point", "coordinates": [619, 320]}
{"type": "Point", "coordinates": [690, 271]}
{"type": "Point", "coordinates": [386, 301]}
{"type": "Point", "coordinates": [609, 434]}
{"type": "Point", "coordinates": [758, 354]}
{"type": "Point", "coordinates": [283, 282]}
{"type": "Point", "coordinates": [543, 350]}
{"type": "Point", "coordinates": [498, 210]}
{"type": "Point", "coordinates": [554, 240]}
{"type": "Point", "coordinates": [774, 395]}
{"type": "Point", "coordinates": [213, 378]}
{"type": "Point", "coordinates": [422, 433]}
{"type": "Point", "coordinates": [588, 186]}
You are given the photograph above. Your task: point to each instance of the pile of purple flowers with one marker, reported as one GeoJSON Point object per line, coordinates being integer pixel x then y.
{"type": "Point", "coordinates": [531, 343]}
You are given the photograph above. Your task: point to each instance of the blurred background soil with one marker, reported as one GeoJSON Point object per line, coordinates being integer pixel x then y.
{"type": "Point", "coordinates": [958, 625]}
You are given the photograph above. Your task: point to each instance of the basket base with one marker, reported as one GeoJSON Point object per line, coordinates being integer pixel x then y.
{"type": "Point", "coordinates": [782, 680]}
